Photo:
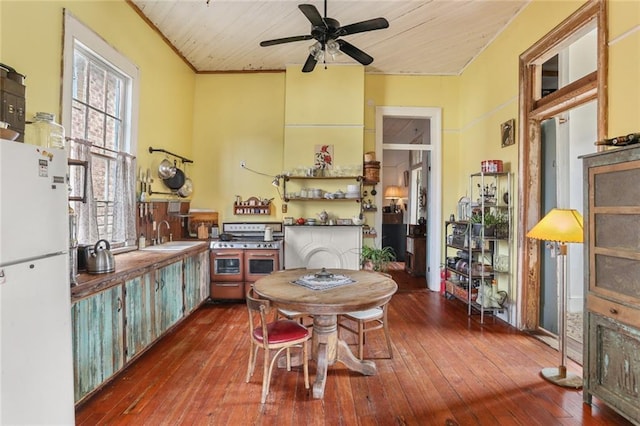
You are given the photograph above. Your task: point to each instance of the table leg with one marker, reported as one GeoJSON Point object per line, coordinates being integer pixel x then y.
{"type": "Point", "coordinates": [327, 349]}
{"type": "Point", "coordinates": [345, 356]}
{"type": "Point", "coordinates": [325, 337]}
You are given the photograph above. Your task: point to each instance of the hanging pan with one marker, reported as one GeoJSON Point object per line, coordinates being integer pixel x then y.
{"type": "Point", "coordinates": [166, 170]}
{"type": "Point", "coordinates": [176, 181]}
{"type": "Point", "coordinates": [187, 189]}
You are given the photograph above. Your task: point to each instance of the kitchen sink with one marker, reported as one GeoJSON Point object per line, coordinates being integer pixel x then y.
{"type": "Point", "coordinates": [173, 246]}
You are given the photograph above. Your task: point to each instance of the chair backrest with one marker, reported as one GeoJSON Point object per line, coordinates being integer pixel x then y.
{"type": "Point", "coordinates": [258, 310]}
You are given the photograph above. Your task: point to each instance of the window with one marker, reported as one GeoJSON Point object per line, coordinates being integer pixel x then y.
{"type": "Point", "coordinates": [99, 115]}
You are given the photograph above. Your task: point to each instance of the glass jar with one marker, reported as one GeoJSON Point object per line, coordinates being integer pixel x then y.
{"type": "Point", "coordinates": [48, 133]}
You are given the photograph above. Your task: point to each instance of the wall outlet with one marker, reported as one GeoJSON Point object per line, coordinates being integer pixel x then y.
{"type": "Point", "coordinates": [243, 163]}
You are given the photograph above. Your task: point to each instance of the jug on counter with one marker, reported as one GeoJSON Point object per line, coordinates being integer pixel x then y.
{"type": "Point", "coordinates": [323, 216]}
{"type": "Point", "coordinates": [268, 233]}
{"type": "Point", "coordinates": [99, 259]}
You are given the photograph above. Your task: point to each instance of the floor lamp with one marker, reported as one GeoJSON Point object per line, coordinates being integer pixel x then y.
{"type": "Point", "coordinates": [559, 227]}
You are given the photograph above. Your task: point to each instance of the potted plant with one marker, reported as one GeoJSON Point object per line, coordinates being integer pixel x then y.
{"type": "Point", "coordinates": [489, 221]}
{"type": "Point", "coordinates": [377, 259]}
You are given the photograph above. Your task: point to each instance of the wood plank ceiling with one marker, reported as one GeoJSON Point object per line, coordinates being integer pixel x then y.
{"type": "Point", "coordinates": [432, 37]}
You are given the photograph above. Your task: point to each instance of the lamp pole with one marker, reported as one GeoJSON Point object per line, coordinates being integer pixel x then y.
{"type": "Point", "coordinates": [560, 376]}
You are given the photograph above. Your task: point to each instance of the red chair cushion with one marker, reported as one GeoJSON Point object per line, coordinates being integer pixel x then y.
{"type": "Point", "coordinates": [282, 331]}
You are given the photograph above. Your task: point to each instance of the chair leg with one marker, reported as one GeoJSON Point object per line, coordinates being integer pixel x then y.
{"type": "Point", "coordinates": [253, 351]}
{"type": "Point", "coordinates": [288, 355]}
{"type": "Point", "coordinates": [266, 377]}
{"type": "Point", "coordinates": [386, 335]}
{"type": "Point", "coordinates": [305, 363]}
{"type": "Point", "coordinates": [361, 340]}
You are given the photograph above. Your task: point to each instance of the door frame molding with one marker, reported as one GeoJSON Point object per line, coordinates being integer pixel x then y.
{"type": "Point", "coordinates": [533, 109]}
{"type": "Point", "coordinates": [434, 191]}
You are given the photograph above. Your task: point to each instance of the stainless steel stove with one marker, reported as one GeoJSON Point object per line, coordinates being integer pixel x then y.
{"type": "Point", "coordinates": [245, 258]}
{"type": "Point", "coordinates": [250, 235]}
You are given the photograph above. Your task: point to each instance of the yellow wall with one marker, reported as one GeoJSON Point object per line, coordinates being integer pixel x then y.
{"type": "Point", "coordinates": [624, 67]}
{"type": "Point", "coordinates": [31, 37]}
{"type": "Point", "coordinates": [237, 117]}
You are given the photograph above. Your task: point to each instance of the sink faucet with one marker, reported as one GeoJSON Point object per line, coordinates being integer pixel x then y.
{"type": "Point", "coordinates": [160, 231]}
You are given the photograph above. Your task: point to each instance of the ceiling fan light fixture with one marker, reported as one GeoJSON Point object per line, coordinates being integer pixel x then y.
{"type": "Point", "coordinates": [317, 51]}
{"type": "Point", "coordinates": [333, 48]}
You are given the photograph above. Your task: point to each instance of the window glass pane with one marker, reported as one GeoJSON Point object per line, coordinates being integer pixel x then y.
{"type": "Point", "coordinates": [80, 65]}
{"type": "Point", "coordinates": [95, 127]}
{"type": "Point", "coordinates": [97, 76]}
{"type": "Point", "coordinates": [112, 102]}
{"type": "Point", "coordinates": [78, 120]}
{"type": "Point", "coordinates": [579, 59]}
{"type": "Point", "coordinates": [111, 133]}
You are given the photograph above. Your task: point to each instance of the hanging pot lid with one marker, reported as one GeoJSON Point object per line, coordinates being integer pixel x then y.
{"type": "Point", "coordinates": [176, 181]}
{"type": "Point", "coordinates": [166, 170]}
{"type": "Point", "coordinates": [186, 189]}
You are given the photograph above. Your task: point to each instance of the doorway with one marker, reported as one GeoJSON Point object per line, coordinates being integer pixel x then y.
{"type": "Point", "coordinates": [568, 121]}
{"type": "Point", "coordinates": [430, 183]}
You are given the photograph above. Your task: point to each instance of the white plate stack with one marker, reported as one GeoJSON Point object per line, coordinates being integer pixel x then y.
{"type": "Point", "coordinates": [353, 191]}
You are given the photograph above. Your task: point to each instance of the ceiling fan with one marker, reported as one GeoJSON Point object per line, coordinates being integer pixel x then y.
{"type": "Point", "coordinates": [326, 31]}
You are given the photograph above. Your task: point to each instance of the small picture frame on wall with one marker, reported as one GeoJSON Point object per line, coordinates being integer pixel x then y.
{"type": "Point", "coordinates": [507, 132]}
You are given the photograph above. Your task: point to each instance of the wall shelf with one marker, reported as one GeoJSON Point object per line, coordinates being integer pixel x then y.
{"type": "Point", "coordinates": [252, 206]}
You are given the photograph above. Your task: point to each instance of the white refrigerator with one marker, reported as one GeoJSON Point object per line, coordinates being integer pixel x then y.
{"type": "Point", "coordinates": [36, 357]}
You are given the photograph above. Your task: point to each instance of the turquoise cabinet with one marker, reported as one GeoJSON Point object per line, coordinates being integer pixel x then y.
{"type": "Point", "coordinates": [168, 296]}
{"type": "Point", "coordinates": [196, 281]}
{"type": "Point", "coordinates": [115, 325]}
{"type": "Point", "coordinates": [97, 339]}
{"type": "Point", "coordinates": [139, 309]}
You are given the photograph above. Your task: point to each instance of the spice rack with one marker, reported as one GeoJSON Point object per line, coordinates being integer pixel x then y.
{"type": "Point", "coordinates": [252, 206]}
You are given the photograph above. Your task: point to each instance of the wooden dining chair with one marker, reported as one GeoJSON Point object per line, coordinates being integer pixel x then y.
{"type": "Point", "coordinates": [300, 317]}
{"type": "Point", "coordinates": [280, 335]}
{"type": "Point", "coordinates": [366, 321]}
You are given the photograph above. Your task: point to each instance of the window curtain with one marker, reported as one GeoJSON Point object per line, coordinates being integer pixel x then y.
{"type": "Point", "coordinates": [86, 212]}
{"type": "Point", "coordinates": [124, 206]}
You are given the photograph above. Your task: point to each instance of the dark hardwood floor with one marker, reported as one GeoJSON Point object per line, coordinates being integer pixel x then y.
{"type": "Point", "coordinates": [447, 369]}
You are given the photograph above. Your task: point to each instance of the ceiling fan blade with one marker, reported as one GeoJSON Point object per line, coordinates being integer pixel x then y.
{"type": "Point", "coordinates": [285, 40]}
{"type": "Point", "coordinates": [354, 52]}
{"type": "Point", "coordinates": [310, 64]}
{"type": "Point", "coordinates": [360, 27]}
{"type": "Point", "coordinates": [312, 14]}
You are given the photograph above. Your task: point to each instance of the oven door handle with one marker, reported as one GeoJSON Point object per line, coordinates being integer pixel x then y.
{"type": "Point", "coordinates": [262, 255]}
{"type": "Point", "coordinates": [226, 253]}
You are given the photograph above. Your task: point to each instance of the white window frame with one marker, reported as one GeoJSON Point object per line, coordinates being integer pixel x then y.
{"type": "Point", "coordinates": [76, 32]}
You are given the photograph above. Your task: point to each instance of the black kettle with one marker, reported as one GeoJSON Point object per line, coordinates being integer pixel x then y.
{"type": "Point", "coordinates": [99, 259]}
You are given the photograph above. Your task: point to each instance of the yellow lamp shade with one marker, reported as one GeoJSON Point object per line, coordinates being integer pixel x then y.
{"type": "Point", "coordinates": [561, 225]}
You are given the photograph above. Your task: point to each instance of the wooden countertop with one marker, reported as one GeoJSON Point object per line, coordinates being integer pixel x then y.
{"type": "Point", "coordinates": [129, 265]}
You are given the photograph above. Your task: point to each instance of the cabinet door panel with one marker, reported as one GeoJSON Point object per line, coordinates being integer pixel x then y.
{"type": "Point", "coordinates": [191, 283]}
{"type": "Point", "coordinates": [139, 328]}
{"type": "Point", "coordinates": [168, 297]}
{"type": "Point", "coordinates": [204, 277]}
{"type": "Point", "coordinates": [617, 276]}
{"type": "Point", "coordinates": [614, 358]}
{"type": "Point", "coordinates": [97, 339]}
{"type": "Point", "coordinates": [607, 183]}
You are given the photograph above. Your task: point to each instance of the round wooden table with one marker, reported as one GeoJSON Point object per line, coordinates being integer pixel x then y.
{"type": "Point", "coordinates": [370, 289]}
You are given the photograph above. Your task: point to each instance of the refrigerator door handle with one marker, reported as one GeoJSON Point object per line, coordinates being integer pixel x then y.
{"type": "Point", "coordinates": [32, 259]}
